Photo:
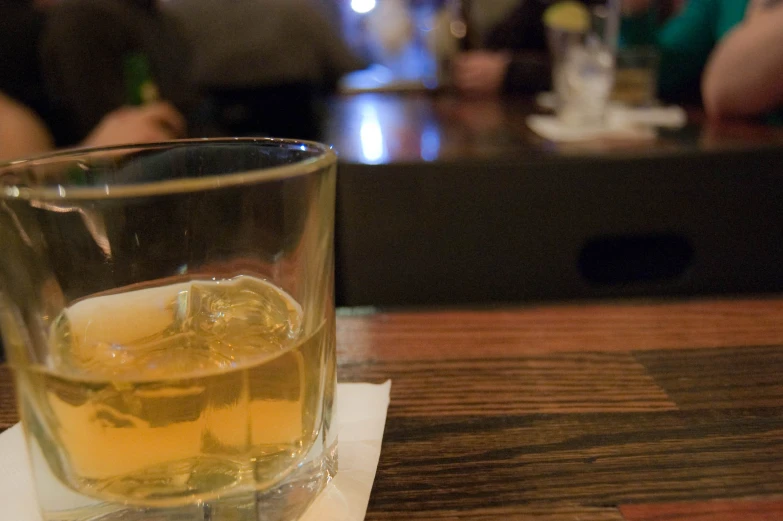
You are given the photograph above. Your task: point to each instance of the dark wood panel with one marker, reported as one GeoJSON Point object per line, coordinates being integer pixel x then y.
{"type": "Point", "coordinates": [609, 327]}
{"type": "Point", "coordinates": [719, 378]}
{"type": "Point", "coordinates": [568, 512]}
{"type": "Point", "coordinates": [705, 511]}
{"type": "Point", "coordinates": [521, 230]}
{"type": "Point", "coordinates": [597, 460]}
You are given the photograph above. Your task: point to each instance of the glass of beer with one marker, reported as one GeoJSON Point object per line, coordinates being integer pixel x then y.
{"type": "Point", "coordinates": [636, 76]}
{"type": "Point", "coordinates": [168, 313]}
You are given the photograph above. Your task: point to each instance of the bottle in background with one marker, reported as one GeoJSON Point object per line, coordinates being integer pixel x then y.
{"type": "Point", "coordinates": [140, 85]}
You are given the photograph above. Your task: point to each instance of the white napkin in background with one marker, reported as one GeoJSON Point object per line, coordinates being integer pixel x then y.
{"type": "Point", "coordinates": [361, 417]}
{"type": "Point", "coordinates": [622, 123]}
{"type": "Point", "coordinates": [552, 128]}
{"type": "Point", "coordinates": [670, 116]}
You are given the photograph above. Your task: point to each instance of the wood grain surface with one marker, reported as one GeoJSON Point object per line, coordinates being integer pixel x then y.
{"type": "Point", "coordinates": [603, 412]}
{"type": "Point", "coordinates": [706, 511]}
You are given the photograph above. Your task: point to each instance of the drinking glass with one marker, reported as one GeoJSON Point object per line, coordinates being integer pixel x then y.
{"type": "Point", "coordinates": [168, 314]}
{"type": "Point", "coordinates": [638, 57]}
{"type": "Point", "coordinates": [583, 64]}
{"type": "Point", "coordinates": [636, 76]}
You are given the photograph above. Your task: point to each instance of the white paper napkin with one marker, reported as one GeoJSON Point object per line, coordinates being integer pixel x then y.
{"type": "Point", "coordinates": [622, 123]}
{"type": "Point", "coordinates": [553, 129]}
{"type": "Point", "coordinates": [670, 116]}
{"type": "Point", "coordinates": [361, 417]}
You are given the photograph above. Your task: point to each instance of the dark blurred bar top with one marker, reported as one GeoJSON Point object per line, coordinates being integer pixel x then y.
{"type": "Point", "coordinates": [386, 128]}
{"type": "Point", "coordinates": [451, 201]}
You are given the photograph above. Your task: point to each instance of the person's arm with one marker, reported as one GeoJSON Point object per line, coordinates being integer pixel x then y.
{"type": "Point", "coordinates": [745, 73]}
{"type": "Point", "coordinates": [516, 58]}
{"type": "Point", "coordinates": [22, 133]}
{"type": "Point", "coordinates": [684, 42]}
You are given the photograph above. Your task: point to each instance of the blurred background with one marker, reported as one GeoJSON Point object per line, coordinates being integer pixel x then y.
{"type": "Point", "coordinates": [490, 150]}
{"type": "Point", "coordinates": [267, 67]}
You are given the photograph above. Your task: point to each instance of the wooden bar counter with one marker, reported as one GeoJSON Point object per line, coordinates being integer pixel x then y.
{"type": "Point", "coordinates": [444, 200]}
{"type": "Point", "coordinates": [632, 410]}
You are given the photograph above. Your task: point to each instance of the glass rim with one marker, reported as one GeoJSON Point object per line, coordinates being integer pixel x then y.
{"type": "Point", "coordinates": [325, 157]}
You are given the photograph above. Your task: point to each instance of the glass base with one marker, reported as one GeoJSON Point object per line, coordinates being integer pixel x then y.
{"type": "Point", "coordinates": [285, 502]}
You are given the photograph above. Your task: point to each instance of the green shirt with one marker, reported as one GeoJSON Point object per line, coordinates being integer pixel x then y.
{"type": "Point", "coordinates": [685, 41]}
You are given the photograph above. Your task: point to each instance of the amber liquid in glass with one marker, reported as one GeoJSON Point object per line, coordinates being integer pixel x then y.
{"type": "Point", "coordinates": [162, 395]}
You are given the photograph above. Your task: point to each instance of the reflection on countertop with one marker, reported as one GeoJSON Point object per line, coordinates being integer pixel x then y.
{"type": "Point", "coordinates": [410, 127]}
{"type": "Point", "coordinates": [375, 128]}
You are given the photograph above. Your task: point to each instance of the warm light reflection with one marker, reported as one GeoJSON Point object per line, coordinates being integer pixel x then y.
{"type": "Point", "coordinates": [371, 135]}
{"type": "Point", "coordinates": [362, 6]}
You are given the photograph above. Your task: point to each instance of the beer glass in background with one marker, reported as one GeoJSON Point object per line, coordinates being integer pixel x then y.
{"type": "Point", "coordinates": [638, 57]}
{"type": "Point", "coordinates": [168, 314]}
{"type": "Point", "coordinates": [636, 76]}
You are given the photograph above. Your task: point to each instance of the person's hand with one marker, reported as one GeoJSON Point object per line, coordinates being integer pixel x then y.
{"type": "Point", "coordinates": [158, 121]}
{"type": "Point", "coordinates": [480, 72]}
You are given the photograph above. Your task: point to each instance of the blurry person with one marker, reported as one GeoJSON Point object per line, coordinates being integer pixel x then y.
{"type": "Point", "coordinates": [744, 76]}
{"type": "Point", "coordinates": [515, 56]}
{"type": "Point", "coordinates": [685, 41]}
{"type": "Point", "coordinates": [24, 134]}
{"type": "Point", "coordinates": [99, 55]}
{"type": "Point", "coordinates": [265, 63]}
{"type": "Point", "coordinates": [482, 72]}
{"type": "Point", "coordinates": [516, 59]}
{"type": "Point", "coordinates": [257, 42]}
